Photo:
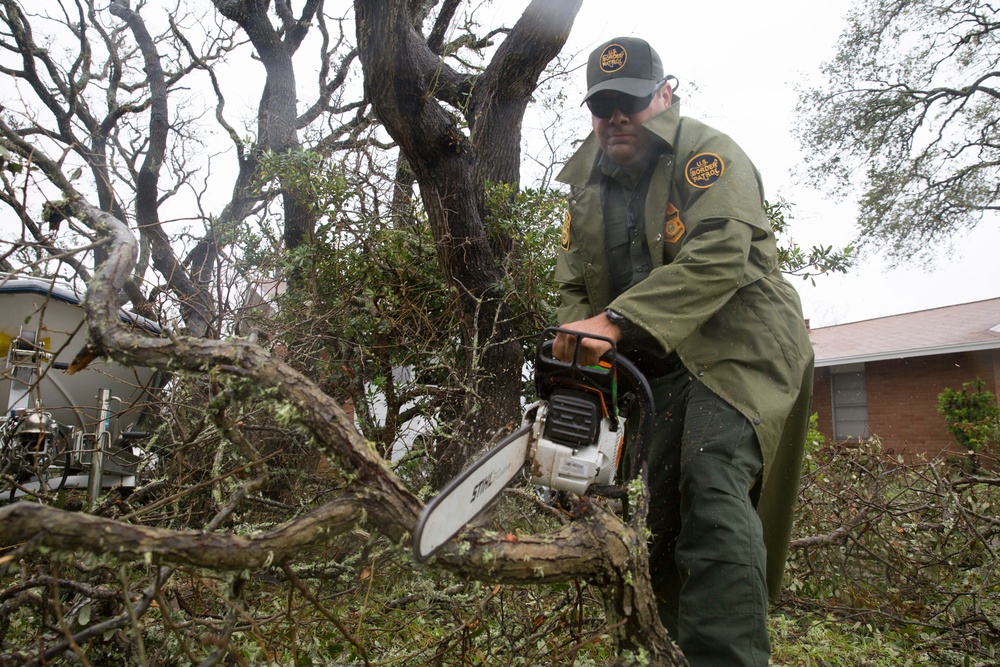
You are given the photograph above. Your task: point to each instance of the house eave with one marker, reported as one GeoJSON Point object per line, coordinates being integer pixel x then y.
{"type": "Point", "coordinates": [907, 354]}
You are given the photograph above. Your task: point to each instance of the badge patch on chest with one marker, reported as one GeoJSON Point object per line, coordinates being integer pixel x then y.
{"type": "Point", "coordinates": [673, 227]}
{"type": "Point", "coordinates": [703, 170]}
{"type": "Point", "coordinates": [565, 230]}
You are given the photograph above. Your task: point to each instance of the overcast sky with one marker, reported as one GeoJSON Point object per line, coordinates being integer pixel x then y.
{"type": "Point", "coordinates": [737, 63]}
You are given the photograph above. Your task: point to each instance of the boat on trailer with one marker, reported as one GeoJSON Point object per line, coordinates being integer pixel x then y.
{"type": "Point", "coordinates": [60, 430]}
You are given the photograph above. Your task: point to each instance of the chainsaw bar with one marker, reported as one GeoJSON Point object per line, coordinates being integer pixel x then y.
{"type": "Point", "coordinates": [471, 492]}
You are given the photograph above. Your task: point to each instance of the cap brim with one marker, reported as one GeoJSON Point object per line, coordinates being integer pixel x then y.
{"type": "Point", "coordinates": [634, 87]}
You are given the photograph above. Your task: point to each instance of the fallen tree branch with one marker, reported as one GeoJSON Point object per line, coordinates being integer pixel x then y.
{"type": "Point", "coordinates": [837, 536]}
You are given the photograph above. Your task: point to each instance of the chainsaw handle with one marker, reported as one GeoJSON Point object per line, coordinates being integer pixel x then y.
{"type": "Point", "coordinates": [550, 371]}
{"type": "Point", "coordinates": [633, 379]}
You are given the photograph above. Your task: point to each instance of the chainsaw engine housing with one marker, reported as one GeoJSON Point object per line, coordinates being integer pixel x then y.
{"type": "Point", "coordinates": [577, 445]}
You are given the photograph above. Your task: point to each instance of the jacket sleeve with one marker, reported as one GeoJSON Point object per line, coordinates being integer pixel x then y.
{"type": "Point", "coordinates": [678, 298]}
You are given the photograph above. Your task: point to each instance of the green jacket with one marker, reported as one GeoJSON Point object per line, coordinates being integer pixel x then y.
{"type": "Point", "coordinates": [715, 295]}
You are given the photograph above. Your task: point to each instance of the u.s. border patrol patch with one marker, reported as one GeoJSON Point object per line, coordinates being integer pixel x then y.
{"type": "Point", "coordinates": [703, 170]}
{"type": "Point", "coordinates": [565, 230]}
{"type": "Point", "coordinates": [673, 226]}
{"type": "Point", "coordinates": [613, 58]}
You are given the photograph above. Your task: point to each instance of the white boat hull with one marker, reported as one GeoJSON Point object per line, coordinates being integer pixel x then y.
{"type": "Point", "coordinates": [49, 317]}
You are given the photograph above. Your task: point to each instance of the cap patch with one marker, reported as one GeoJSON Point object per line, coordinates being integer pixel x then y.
{"type": "Point", "coordinates": [613, 58]}
{"type": "Point", "coordinates": [565, 231]}
{"type": "Point", "coordinates": [703, 170]}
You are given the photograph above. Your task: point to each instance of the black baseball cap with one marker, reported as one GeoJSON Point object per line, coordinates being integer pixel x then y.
{"type": "Point", "coordinates": [626, 64]}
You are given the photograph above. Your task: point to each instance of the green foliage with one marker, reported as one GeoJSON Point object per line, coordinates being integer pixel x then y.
{"type": "Point", "coordinates": [530, 221]}
{"type": "Point", "coordinates": [317, 184]}
{"type": "Point", "coordinates": [814, 442]}
{"type": "Point", "coordinates": [375, 301]}
{"type": "Point", "coordinates": [374, 319]}
{"type": "Point", "coordinates": [793, 260]}
{"type": "Point", "coordinates": [972, 415]}
{"type": "Point", "coordinates": [800, 639]}
{"type": "Point", "coordinates": [814, 438]}
{"type": "Point", "coordinates": [907, 118]}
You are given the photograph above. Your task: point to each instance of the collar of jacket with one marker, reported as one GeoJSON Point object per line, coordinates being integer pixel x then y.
{"type": "Point", "coordinates": [582, 170]}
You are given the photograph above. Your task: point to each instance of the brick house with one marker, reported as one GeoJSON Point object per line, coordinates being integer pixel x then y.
{"type": "Point", "coordinates": [883, 376]}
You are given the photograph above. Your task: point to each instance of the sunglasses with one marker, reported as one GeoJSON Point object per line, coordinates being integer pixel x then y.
{"type": "Point", "coordinates": [604, 107]}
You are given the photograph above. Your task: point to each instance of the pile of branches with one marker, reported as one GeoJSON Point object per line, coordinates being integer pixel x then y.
{"type": "Point", "coordinates": [907, 545]}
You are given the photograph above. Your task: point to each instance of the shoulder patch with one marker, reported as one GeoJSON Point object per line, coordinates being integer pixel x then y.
{"type": "Point", "coordinates": [673, 226]}
{"type": "Point", "coordinates": [565, 230]}
{"type": "Point", "coordinates": [703, 170]}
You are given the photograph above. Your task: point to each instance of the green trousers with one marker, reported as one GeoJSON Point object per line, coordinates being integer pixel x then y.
{"type": "Point", "coordinates": [707, 555]}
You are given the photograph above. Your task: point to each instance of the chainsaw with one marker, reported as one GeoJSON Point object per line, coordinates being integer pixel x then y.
{"type": "Point", "coordinates": [572, 439]}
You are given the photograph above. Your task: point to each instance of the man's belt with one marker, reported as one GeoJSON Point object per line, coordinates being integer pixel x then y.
{"type": "Point", "coordinates": [653, 365]}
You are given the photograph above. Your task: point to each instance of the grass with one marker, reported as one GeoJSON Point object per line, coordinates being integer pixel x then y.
{"type": "Point", "coordinates": [808, 640]}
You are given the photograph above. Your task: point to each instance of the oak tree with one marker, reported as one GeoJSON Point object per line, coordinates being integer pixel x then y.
{"type": "Point", "coordinates": [907, 113]}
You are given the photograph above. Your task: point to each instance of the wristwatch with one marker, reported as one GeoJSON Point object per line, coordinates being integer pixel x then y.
{"type": "Point", "coordinates": [619, 320]}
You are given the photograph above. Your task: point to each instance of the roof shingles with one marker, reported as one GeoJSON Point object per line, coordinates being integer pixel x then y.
{"type": "Point", "coordinates": [967, 326]}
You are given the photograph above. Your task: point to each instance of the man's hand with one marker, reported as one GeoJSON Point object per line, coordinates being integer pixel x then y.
{"type": "Point", "coordinates": [591, 349]}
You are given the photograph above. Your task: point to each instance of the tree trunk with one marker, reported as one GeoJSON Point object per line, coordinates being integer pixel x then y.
{"type": "Point", "coordinates": [404, 79]}
{"type": "Point", "coordinates": [278, 114]}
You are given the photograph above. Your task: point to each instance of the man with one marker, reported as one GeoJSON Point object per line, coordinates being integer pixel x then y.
{"type": "Point", "coordinates": [666, 250]}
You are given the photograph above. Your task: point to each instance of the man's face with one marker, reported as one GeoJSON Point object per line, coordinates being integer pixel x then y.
{"type": "Point", "coordinates": [622, 136]}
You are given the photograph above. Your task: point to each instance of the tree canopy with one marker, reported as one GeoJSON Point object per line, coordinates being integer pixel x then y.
{"type": "Point", "coordinates": [908, 114]}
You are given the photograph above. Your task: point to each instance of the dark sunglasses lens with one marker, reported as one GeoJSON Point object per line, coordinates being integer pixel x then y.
{"type": "Point", "coordinates": [604, 107]}
{"type": "Point", "coordinates": [633, 105]}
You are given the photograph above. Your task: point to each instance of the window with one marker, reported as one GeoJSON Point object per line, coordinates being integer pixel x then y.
{"type": "Point", "coordinates": [850, 402]}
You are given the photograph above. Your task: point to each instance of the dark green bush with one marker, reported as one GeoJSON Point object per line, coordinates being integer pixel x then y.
{"type": "Point", "coordinates": [972, 415]}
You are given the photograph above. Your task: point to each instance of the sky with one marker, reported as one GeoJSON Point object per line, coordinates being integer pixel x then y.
{"type": "Point", "coordinates": [738, 63]}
